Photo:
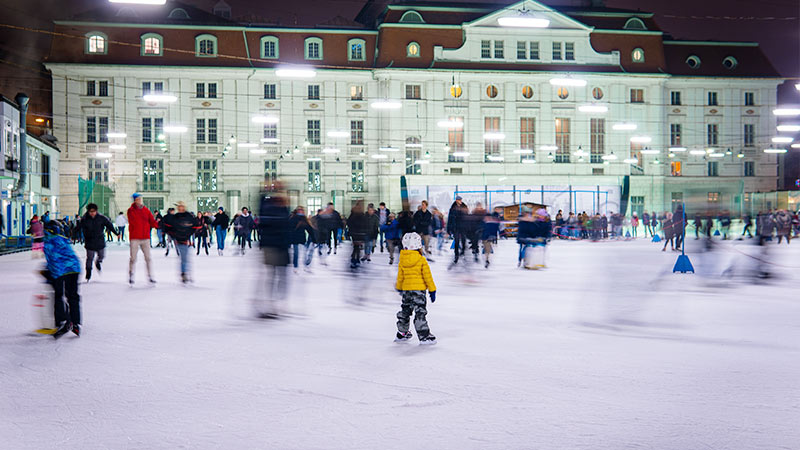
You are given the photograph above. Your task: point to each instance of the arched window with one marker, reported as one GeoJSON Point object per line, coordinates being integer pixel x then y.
{"type": "Point", "coordinates": [412, 50]}
{"type": "Point", "coordinates": [205, 45]}
{"type": "Point", "coordinates": [152, 45]}
{"type": "Point", "coordinates": [269, 47]}
{"type": "Point", "coordinates": [178, 13]}
{"type": "Point", "coordinates": [313, 48]}
{"type": "Point", "coordinates": [96, 43]}
{"type": "Point", "coordinates": [635, 23]}
{"type": "Point", "coordinates": [411, 17]}
{"type": "Point", "coordinates": [356, 50]}
{"type": "Point", "coordinates": [637, 55]}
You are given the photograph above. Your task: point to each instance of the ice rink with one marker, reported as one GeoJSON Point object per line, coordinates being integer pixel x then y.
{"type": "Point", "coordinates": [605, 349]}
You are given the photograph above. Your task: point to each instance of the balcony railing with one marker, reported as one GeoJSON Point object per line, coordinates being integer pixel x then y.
{"type": "Point", "coordinates": [360, 186]}
{"type": "Point", "coordinates": [314, 187]}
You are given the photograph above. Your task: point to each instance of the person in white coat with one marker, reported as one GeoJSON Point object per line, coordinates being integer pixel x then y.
{"type": "Point", "coordinates": [121, 222]}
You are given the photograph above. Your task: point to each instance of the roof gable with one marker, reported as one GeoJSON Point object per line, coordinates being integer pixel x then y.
{"type": "Point", "coordinates": [530, 8]}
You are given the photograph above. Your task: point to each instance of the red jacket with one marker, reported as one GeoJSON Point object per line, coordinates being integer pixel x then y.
{"type": "Point", "coordinates": [140, 221]}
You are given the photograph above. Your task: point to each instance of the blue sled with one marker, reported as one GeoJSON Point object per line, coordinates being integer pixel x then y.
{"type": "Point", "coordinates": [683, 265]}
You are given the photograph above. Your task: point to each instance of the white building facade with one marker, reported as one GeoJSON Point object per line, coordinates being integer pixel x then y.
{"type": "Point", "coordinates": [576, 116]}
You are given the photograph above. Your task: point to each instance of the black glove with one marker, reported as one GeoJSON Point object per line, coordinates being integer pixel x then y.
{"type": "Point", "coordinates": [433, 296]}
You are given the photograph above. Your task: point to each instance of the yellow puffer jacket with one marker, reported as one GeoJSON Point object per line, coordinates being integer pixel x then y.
{"type": "Point", "coordinates": [413, 272]}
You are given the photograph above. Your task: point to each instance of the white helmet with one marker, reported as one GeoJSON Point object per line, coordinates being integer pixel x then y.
{"type": "Point", "coordinates": [412, 241]}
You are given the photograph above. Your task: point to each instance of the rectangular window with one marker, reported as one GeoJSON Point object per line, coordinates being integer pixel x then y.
{"type": "Point", "coordinates": [597, 131]}
{"type": "Point", "coordinates": [562, 140]}
{"type": "Point", "coordinates": [212, 131]}
{"type": "Point", "coordinates": [637, 205]}
{"type": "Point", "coordinates": [498, 50]}
{"type": "Point", "coordinates": [98, 170]}
{"type": "Point", "coordinates": [486, 49]}
{"type": "Point", "coordinates": [206, 175]}
{"type": "Point", "coordinates": [212, 90]}
{"type": "Point", "coordinates": [314, 204]}
{"type": "Point", "coordinates": [91, 129]}
{"type": "Point", "coordinates": [749, 135]}
{"type": "Point", "coordinates": [356, 92]}
{"type": "Point", "coordinates": [413, 92]}
{"type": "Point", "coordinates": [675, 134]}
{"type": "Point", "coordinates": [712, 134]}
{"type": "Point", "coordinates": [557, 51]}
{"type": "Point", "coordinates": [270, 91]}
{"type": "Point", "coordinates": [569, 51]}
{"type": "Point", "coordinates": [412, 156]}
{"type": "Point", "coordinates": [102, 129]}
{"type": "Point", "coordinates": [270, 49]}
{"type": "Point", "coordinates": [676, 199]}
{"type": "Point", "coordinates": [527, 136]}
{"type": "Point", "coordinates": [146, 87]}
{"type": "Point", "coordinates": [201, 131]}
{"type": "Point", "coordinates": [356, 132]}
{"type": "Point", "coordinates": [534, 51]}
{"type": "Point", "coordinates": [713, 197]}
{"type": "Point", "coordinates": [357, 51]}
{"type": "Point", "coordinates": [637, 95]}
{"type": "Point", "coordinates": [491, 147]}
{"type": "Point", "coordinates": [158, 129]}
{"type": "Point", "coordinates": [270, 171]}
{"type": "Point", "coordinates": [712, 99]}
{"type": "Point", "coordinates": [749, 168]}
{"type": "Point", "coordinates": [313, 50]}
{"type": "Point", "coordinates": [713, 168]}
{"type": "Point", "coordinates": [749, 99]}
{"type": "Point", "coordinates": [153, 175]}
{"type": "Point", "coordinates": [155, 87]}
{"type": "Point", "coordinates": [271, 132]}
{"type": "Point", "coordinates": [675, 168]}
{"type": "Point", "coordinates": [675, 98]}
{"type": "Point", "coordinates": [455, 140]}
{"type": "Point", "coordinates": [158, 87]}
{"type": "Point", "coordinates": [45, 169]}
{"type": "Point", "coordinates": [147, 129]}
{"type": "Point", "coordinates": [91, 88]}
{"type": "Point", "coordinates": [522, 50]}
{"type": "Point", "coordinates": [102, 88]}
{"type": "Point", "coordinates": [313, 92]}
{"type": "Point", "coordinates": [314, 176]}
{"type": "Point", "coordinates": [357, 176]}
{"type": "Point", "coordinates": [200, 90]}
{"type": "Point", "coordinates": [313, 131]}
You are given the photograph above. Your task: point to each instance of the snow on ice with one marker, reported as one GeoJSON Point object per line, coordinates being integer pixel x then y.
{"type": "Point", "coordinates": [605, 349]}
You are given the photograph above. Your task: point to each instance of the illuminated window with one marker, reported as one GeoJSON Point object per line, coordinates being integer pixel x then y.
{"type": "Point", "coordinates": [562, 93]}
{"type": "Point", "coordinates": [597, 93]}
{"type": "Point", "coordinates": [152, 45]}
{"type": "Point", "coordinates": [356, 92]}
{"type": "Point", "coordinates": [637, 95]}
{"type": "Point", "coordinates": [637, 55]}
{"type": "Point", "coordinates": [527, 92]}
{"type": "Point", "coordinates": [96, 43]}
{"type": "Point", "coordinates": [491, 91]}
{"type": "Point", "coordinates": [412, 50]}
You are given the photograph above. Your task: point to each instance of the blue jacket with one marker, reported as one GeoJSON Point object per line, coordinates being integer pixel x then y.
{"type": "Point", "coordinates": [391, 230]}
{"type": "Point", "coordinates": [490, 230]}
{"type": "Point", "coordinates": [61, 259]}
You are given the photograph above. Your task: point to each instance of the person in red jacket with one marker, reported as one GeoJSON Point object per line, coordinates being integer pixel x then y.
{"type": "Point", "coordinates": [140, 222]}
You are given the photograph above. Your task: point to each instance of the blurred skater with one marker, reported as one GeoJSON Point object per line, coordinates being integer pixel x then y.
{"type": "Point", "coordinates": [182, 226]}
{"type": "Point", "coordinates": [273, 226]}
{"type": "Point", "coordinates": [93, 225]}
{"type": "Point", "coordinates": [64, 267]}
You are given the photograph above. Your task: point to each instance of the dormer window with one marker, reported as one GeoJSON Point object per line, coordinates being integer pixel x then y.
{"type": "Point", "coordinates": [178, 13]}
{"type": "Point", "coordinates": [152, 45]}
{"type": "Point", "coordinates": [205, 45]}
{"type": "Point", "coordinates": [635, 23]}
{"type": "Point", "coordinates": [730, 62]}
{"type": "Point", "coordinates": [313, 48]}
{"type": "Point", "coordinates": [96, 43]}
{"type": "Point", "coordinates": [637, 55]}
{"type": "Point", "coordinates": [269, 47]}
{"type": "Point", "coordinates": [693, 62]}
{"type": "Point", "coordinates": [356, 50]}
{"type": "Point", "coordinates": [411, 17]}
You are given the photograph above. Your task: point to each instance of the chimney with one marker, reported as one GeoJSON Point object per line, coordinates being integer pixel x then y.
{"type": "Point", "coordinates": [22, 101]}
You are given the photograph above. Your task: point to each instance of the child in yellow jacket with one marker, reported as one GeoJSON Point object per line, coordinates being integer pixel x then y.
{"type": "Point", "coordinates": [413, 279]}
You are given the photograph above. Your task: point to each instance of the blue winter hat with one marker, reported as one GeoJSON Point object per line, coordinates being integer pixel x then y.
{"type": "Point", "coordinates": [136, 195]}
{"type": "Point", "coordinates": [221, 209]}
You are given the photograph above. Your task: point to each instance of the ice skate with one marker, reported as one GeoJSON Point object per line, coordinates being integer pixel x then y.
{"type": "Point", "coordinates": [402, 337]}
{"type": "Point", "coordinates": [97, 266]}
{"type": "Point", "coordinates": [65, 328]}
{"type": "Point", "coordinates": [427, 340]}
{"type": "Point", "coordinates": [77, 330]}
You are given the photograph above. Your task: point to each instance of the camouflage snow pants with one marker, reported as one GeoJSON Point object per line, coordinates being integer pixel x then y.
{"type": "Point", "coordinates": [413, 302]}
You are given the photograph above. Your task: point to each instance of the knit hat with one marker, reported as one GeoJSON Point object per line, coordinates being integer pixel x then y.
{"type": "Point", "coordinates": [412, 241]}
{"type": "Point", "coordinates": [136, 195]}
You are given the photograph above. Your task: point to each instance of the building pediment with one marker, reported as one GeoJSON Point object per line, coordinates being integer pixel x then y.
{"type": "Point", "coordinates": [530, 12]}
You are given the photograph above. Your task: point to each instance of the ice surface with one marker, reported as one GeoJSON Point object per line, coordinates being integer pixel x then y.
{"type": "Point", "coordinates": [605, 349]}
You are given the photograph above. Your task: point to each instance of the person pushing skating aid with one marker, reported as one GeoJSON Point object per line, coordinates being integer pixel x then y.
{"type": "Point", "coordinates": [413, 279]}
{"type": "Point", "coordinates": [63, 267]}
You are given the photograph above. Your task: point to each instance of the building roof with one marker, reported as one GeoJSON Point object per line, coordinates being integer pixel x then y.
{"type": "Point", "coordinates": [170, 13]}
{"type": "Point", "coordinates": [750, 60]}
